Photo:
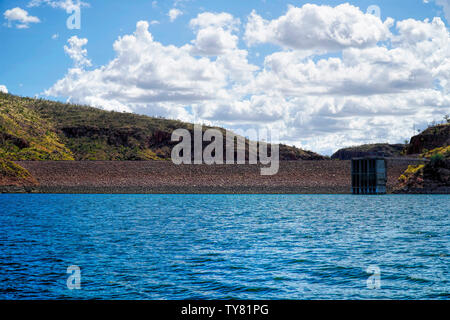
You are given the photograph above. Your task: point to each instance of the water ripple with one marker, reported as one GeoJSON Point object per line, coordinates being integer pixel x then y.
{"type": "Point", "coordinates": [224, 246]}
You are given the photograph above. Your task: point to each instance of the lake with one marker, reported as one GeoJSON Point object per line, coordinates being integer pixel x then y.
{"type": "Point", "coordinates": [225, 246]}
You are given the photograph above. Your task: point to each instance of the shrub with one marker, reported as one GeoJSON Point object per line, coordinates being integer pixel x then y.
{"type": "Point", "coordinates": [414, 169]}
{"type": "Point", "coordinates": [437, 158]}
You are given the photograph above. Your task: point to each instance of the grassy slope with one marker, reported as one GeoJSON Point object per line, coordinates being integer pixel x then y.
{"type": "Point", "coordinates": [37, 129]}
{"type": "Point", "coordinates": [25, 135]}
{"type": "Point", "coordinates": [94, 134]}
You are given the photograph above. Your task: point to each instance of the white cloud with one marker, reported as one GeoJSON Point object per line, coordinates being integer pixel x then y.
{"type": "Point", "coordinates": [214, 33]}
{"type": "Point", "coordinates": [212, 41]}
{"type": "Point", "coordinates": [19, 18]}
{"type": "Point", "coordinates": [371, 91]}
{"type": "Point", "coordinates": [369, 94]}
{"type": "Point", "coordinates": [55, 36]}
{"type": "Point", "coordinates": [145, 76]}
{"type": "Point", "coordinates": [219, 20]}
{"type": "Point", "coordinates": [3, 88]}
{"type": "Point", "coordinates": [76, 51]}
{"type": "Point", "coordinates": [148, 77]}
{"type": "Point", "coordinates": [174, 13]}
{"type": "Point", "coordinates": [314, 27]}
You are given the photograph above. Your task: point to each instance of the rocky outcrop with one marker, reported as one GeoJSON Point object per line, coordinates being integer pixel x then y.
{"type": "Point", "coordinates": [432, 176]}
{"type": "Point", "coordinates": [382, 149]}
{"type": "Point", "coordinates": [437, 174]}
{"type": "Point", "coordinates": [431, 138]}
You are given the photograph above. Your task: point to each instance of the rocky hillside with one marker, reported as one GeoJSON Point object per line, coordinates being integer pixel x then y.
{"type": "Point", "coordinates": [432, 176]}
{"type": "Point", "coordinates": [381, 149]}
{"type": "Point", "coordinates": [37, 129]}
{"type": "Point", "coordinates": [430, 139]}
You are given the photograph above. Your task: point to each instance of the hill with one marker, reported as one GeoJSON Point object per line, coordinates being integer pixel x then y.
{"type": "Point", "coordinates": [380, 149]}
{"type": "Point", "coordinates": [430, 139]}
{"type": "Point", "coordinates": [38, 129]}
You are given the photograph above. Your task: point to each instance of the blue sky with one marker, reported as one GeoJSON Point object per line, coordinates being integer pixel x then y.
{"type": "Point", "coordinates": [33, 59]}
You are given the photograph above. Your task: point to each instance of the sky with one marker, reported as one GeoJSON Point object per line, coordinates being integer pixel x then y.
{"type": "Point", "coordinates": [321, 74]}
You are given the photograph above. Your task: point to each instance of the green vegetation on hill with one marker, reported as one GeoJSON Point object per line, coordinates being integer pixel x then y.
{"type": "Point", "coordinates": [94, 134]}
{"type": "Point", "coordinates": [442, 152]}
{"type": "Point", "coordinates": [26, 135]}
{"type": "Point", "coordinates": [37, 129]}
{"type": "Point", "coordinates": [10, 169]}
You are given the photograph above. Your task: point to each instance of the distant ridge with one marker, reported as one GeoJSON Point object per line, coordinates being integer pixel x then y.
{"type": "Point", "coordinates": [380, 149]}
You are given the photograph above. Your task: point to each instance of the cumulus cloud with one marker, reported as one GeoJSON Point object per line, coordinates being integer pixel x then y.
{"type": "Point", "coordinates": [76, 51]}
{"type": "Point", "coordinates": [314, 27]}
{"type": "Point", "coordinates": [148, 77]}
{"type": "Point", "coordinates": [361, 96]}
{"type": "Point", "coordinates": [214, 33]}
{"type": "Point", "coordinates": [220, 20]}
{"type": "Point", "coordinates": [19, 18]}
{"type": "Point", "coordinates": [3, 88]}
{"type": "Point", "coordinates": [374, 90]}
{"type": "Point", "coordinates": [174, 13]}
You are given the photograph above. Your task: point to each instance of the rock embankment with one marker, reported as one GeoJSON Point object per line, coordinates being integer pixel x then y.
{"type": "Point", "coordinates": [294, 177]}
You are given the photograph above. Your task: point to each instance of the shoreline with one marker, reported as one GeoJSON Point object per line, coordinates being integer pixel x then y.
{"type": "Point", "coordinates": [168, 190]}
{"type": "Point", "coordinates": [163, 177]}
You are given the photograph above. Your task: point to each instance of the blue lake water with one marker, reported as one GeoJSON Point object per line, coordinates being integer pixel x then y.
{"type": "Point", "coordinates": [225, 246]}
